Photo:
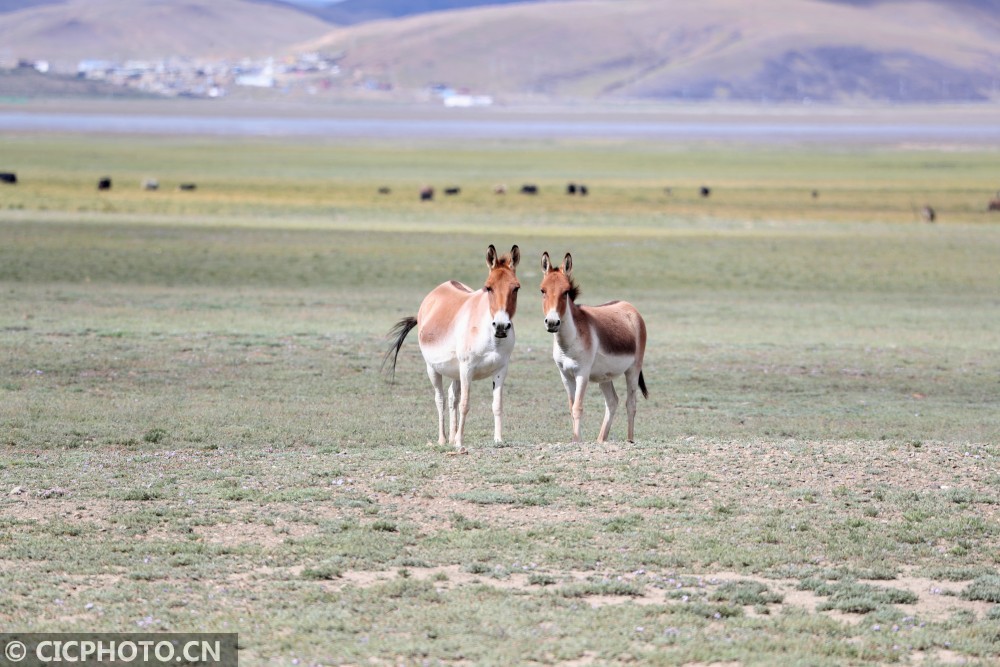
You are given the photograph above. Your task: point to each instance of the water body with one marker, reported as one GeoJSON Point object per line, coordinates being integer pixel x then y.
{"type": "Point", "coordinates": [500, 128]}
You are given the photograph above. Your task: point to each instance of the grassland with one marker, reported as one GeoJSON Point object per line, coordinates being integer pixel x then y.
{"type": "Point", "coordinates": [195, 435]}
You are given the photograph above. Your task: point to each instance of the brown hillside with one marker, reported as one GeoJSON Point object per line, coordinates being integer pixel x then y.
{"type": "Point", "coordinates": [119, 29]}
{"type": "Point", "coordinates": [689, 49]}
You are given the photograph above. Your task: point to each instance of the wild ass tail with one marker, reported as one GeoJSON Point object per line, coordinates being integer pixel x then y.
{"type": "Point", "coordinates": [397, 335]}
{"type": "Point", "coordinates": [642, 386]}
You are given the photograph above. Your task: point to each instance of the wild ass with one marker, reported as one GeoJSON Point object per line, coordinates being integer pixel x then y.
{"type": "Point", "coordinates": [465, 335]}
{"type": "Point", "coordinates": [592, 344]}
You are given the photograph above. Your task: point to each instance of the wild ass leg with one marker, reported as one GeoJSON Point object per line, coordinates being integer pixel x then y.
{"type": "Point", "coordinates": [453, 394]}
{"type": "Point", "coordinates": [610, 406]}
{"type": "Point", "coordinates": [569, 382]}
{"type": "Point", "coordinates": [498, 404]}
{"type": "Point", "coordinates": [438, 383]}
{"type": "Point", "coordinates": [632, 386]}
{"type": "Point", "coordinates": [577, 408]}
{"type": "Point", "coordinates": [465, 373]}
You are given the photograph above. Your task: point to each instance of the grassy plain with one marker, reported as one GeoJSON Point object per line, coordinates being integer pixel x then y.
{"type": "Point", "coordinates": [194, 433]}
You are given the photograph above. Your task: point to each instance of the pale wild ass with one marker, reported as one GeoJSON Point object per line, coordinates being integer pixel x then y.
{"type": "Point", "coordinates": [466, 335]}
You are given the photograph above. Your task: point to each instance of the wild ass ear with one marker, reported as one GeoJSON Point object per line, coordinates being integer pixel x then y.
{"type": "Point", "coordinates": [491, 256]}
{"type": "Point", "coordinates": [567, 266]}
{"type": "Point", "coordinates": [546, 264]}
{"type": "Point", "coordinates": [515, 256]}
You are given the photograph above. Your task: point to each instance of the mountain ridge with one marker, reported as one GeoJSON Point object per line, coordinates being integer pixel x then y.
{"type": "Point", "coordinates": [67, 31]}
{"type": "Point", "coordinates": [833, 51]}
{"type": "Point", "coordinates": [797, 50]}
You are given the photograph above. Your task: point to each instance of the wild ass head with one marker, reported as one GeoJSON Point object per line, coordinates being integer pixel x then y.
{"type": "Point", "coordinates": [558, 290]}
{"type": "Point", "coordinates": [501, 287]}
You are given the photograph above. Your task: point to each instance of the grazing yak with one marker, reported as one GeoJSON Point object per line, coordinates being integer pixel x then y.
{"type": "Point", "coordinates": [994, 204]}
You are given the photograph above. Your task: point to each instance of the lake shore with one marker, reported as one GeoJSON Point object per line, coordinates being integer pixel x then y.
{"type": "Point", "coordinates": [959, 124]}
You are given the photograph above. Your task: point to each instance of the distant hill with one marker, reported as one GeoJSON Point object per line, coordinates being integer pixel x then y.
{"type": "Point", "coordinates": [72, 30]}
{"type": "Point", "coordinates": [836, 51]}
{"type": "Point", "coordinates": [17, 5]}
{"type": "Point", "coordinates": [351, 12]}
{"type": "Point", "coordinates": [782, 50]}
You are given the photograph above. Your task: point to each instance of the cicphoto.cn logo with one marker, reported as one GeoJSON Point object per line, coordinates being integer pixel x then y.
{"type": "Point", "coordinates": [32, 649]}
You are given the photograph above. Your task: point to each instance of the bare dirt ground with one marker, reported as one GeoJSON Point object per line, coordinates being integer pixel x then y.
{"type": "Point", "coordinates": [936, 600]}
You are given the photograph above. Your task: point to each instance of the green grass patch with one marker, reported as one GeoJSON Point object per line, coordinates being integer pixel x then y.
{"type": "Point", "coordinates": [853, 597]}
{"type": "Point", "coordinates": [985, 588]}
{"type": "Point", "coordinates": [605, 587]}
{"type": "Point", "coordinates": [485, 497]}
{"type": "Point", "coordinates": [745, 593]}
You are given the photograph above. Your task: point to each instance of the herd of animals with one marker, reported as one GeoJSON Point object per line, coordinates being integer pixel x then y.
{"type": "Point", "coordinates": [927, 212]}
{"type": "Point", "coordinates": [104, 183]}
{"type": "Point", "coordinates": [466, 335]}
